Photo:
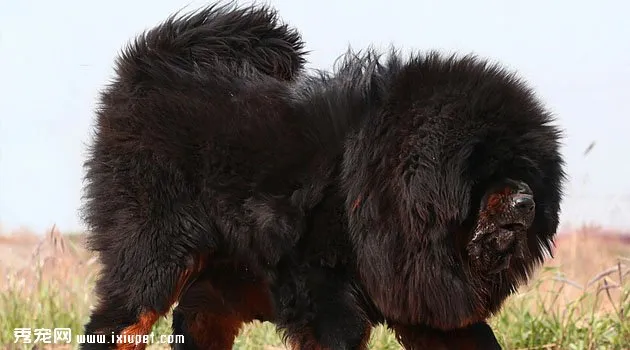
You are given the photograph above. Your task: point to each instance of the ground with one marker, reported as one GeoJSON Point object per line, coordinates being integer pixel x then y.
{"type": "Point", "coordinates": [579, 300]}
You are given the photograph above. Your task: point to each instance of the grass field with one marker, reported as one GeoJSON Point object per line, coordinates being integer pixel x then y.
{"type": "Point", "coordinates": [578, 300]}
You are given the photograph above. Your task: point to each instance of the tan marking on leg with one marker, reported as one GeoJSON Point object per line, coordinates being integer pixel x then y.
{"type": "Point", "coordinates": [142, 327]}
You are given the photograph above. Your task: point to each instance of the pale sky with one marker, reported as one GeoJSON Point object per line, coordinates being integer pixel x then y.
{"type": "Point", "coordinates": [56, 55]}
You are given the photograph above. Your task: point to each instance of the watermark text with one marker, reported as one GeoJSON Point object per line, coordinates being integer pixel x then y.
{"type": "Point", "coordinates": [64, 336]}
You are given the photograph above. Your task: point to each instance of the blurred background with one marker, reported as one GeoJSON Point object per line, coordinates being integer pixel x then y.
{"type": "Point", "coordinates": [56, 55]}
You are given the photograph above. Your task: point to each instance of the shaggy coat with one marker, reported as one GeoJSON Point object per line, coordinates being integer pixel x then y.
{"type": "Point", "coordinates": [225, 179]}
{"type": "Point", "coordinates": [418, 172]}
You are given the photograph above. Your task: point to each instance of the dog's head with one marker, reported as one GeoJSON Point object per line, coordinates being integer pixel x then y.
{"type": "Point", "coordinates": [453, 189]}
{"type": "Point", "coordinates": [507, 211]}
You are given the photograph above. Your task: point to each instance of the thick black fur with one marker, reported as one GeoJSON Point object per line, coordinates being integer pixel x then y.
{"type": "Point", "coordinates": [447, 130]}
{"type": "Point", "coordinates": [346, 198]}
{"type": "Point", "coordinates": [196, 151]}
{"type": "Point", "coordinates": [210, 153]}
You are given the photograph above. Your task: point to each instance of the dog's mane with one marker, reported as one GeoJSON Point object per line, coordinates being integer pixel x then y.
{"type": "Point", "coordinates": [423, 137]}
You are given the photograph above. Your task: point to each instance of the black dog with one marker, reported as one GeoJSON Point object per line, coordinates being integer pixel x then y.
{"type": "Point", "coordinates": [225, 179]}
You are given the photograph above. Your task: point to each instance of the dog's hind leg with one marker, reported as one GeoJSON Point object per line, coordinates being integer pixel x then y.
{"type": "Point", "coordinates": [212, 310]}
{"type": "Point", "coordinates": [124, 317]}
{"type": "Point", "coordinates": [146, 264]}
{"type": "Point", "coordinates": [203, 329]}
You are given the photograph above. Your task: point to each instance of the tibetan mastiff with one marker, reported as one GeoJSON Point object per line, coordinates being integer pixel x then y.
{"type": "Point", "coordinates": [225, 179]}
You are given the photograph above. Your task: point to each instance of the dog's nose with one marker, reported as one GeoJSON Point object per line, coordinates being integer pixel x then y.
{"type": "Point", "coordinates": [523, 203]}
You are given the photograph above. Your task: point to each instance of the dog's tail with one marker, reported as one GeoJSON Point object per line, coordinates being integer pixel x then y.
{"type": "Point", "coordinates": [214, 35]}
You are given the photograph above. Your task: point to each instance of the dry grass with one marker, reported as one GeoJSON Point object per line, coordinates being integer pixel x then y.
{"type": "Point", "coordinates": [580, 300]}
